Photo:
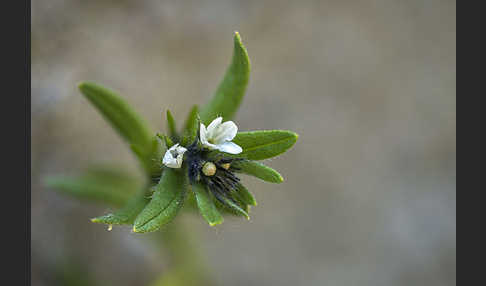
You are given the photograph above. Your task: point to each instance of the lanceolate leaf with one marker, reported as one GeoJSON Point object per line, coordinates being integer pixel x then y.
{"type": "Point", "coordinates": [108, 186]}
{"type": "Point", "coordinates": [245, 195]}
{"type": "Point", "coordinates": [168, 142]}
{"type": "Point", "coordinates": [240, 203]}
{"type": "Point", "coordinates": [258, 170]}
{"type": "Point", "coordinates": [206, 206]}
{"type": "Point", "coordinates": [120, 115]}
{"type": "Point", "coordinates": [128, 213]}
{"type": "Point", "coordinates": [190, 127]}
{"type": "Point", "coordinates": [190, 203]}
{"type": "Point", "coordinates": [236, 208]}
{"type": "Point", "coordinates": [166, 202]}
{"type": "Point", "coordinates": [264, 144]}
{"type": "Point", "coordinates": [154, 160]}
{"type": "Point", "coordinates": [128, 123]}
{"type": "Point", "coordinates": [172, 127]}
{"type": "Point", "coordinates": [231, 90]}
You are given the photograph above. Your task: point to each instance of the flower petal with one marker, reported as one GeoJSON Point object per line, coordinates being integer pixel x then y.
{"type": "Point", "coordinates": [179, 160]}
{"type": "Point", "coordinates": [212, 126]}
{"type": "Point", "coordinates": [181, 150]}
{"type": "Point", "coordinates": [209, 145]}
{"type": "Point", "coordinates": [174, 156]}
{"type": "Point", "coordinates": [169, 160]}
{"type": "Point", "coordinates": [229, 147]}
{"type": "Point", "coordinates": [225, 132]}
{"type": "Point", "coordinates": [203, 134]}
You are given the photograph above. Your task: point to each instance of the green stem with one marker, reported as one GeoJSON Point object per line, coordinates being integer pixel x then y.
{"type": "Point", "coordinates": [187, 267]}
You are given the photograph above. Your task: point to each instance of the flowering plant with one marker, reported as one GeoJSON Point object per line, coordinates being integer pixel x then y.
{"type": "Point", "coordinates": [196, 167]}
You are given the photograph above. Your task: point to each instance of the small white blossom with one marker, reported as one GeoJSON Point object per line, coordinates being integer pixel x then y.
{"type": "Point", "coordinates": [173, 156]}
{"type": "Point", "coordinates": [218, 136]}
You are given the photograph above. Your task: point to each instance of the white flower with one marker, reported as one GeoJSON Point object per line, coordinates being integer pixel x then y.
{"type": "Point", "coordinates": [218, 136]}
{"type": "Point", "coordinates": [173, 156]}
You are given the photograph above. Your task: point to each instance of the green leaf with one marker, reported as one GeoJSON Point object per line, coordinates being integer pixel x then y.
{"type": "Point", "coordinates": [225, 204]}
{"type": "Point", "coordinates": [190, 204]}
{"type": "Point", "coordinates": [240, 203]}
{"type": "Point", "coordinates": [166, 201]}
{"type": "Point", "coordinates": [231, 90]}
{"type": "Point", "coordinates": [226, 210]}
{"type": "Point", "coordinates": [110, 186]}
{"type": "Point", "coordinates": [258, 170]}
{"type": "Point", "coordinates": [264, 144]}
{"type": "Point", "coordinates": [172, 127]}
{"type": "Point", "coordinates": [168, 142]}
{"type": "Point", "coordinates": [151, 161]}
{"type": "Point", "coordinates": [206, 206]}
{"type": "Point", "coordinates": [127, 214]}
{"type": "Point", "coordinates": [245, 196]}
{"type": "Point", "coordinates": [190, 127]}
{"type": "Point", "coordinates": [235, 208]}
{"type": "Point", "coordinates": [154, 161]}
{"type": "Point", "coordinates": [119, 114]}
{"type": "Point", "coordinates": [128, 123]}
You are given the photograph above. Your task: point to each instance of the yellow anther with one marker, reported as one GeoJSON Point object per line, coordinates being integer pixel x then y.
{"type": "Point", "coordinates": [226, 165]}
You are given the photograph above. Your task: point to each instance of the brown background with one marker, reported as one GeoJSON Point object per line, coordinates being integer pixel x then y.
{"type": "Point", "coordinates": [369, 196]}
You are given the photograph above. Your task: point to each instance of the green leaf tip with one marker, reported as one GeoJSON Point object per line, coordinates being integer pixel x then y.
{"type": "Point", "coordinates": [237, 40]}
{"type": "Point", "coordinates": [206, 205]}
{"type": "Point", "coordinates": [127, 213]}
{"type": "Point", "coordinates": [259, 170]}
{"type": "Point", "coordinates": [171, 125]}
{"type": "Point", "coordinates": [128, 123]}
{"type": "Point", "coordinates": [245, 196]}
{"type": "Point", "coordinates": [118, 112]}
{"type": "Point", "coordinates": [231, 90]}
{"type": "Point", "coordinates": [235, 208]}
{"type": "Point", "coordinates": [166, 202]}
{"type": "Point", "coordinates": [166, 139]}
{"type": "Point", "coordinates": [191, 126]}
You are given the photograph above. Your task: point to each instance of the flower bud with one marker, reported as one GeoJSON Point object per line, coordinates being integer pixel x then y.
{"type": "Point", "coordinates": [209, 169]}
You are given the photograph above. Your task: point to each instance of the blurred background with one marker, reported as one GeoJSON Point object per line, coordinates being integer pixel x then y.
{"type": "Point", "coordinates": [369, 196]}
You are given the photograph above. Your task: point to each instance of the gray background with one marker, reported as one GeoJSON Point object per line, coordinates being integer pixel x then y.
{"type": "Point", "coordinates": [369, 196]}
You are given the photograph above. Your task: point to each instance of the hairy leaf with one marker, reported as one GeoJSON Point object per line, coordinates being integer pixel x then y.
{"type": "Point", "coordinates": [190, 127]}
{"type": "Point", "coordinates": [264, 144]}
{"type": "Point", "coordinates": [155, 159]}
{"type": "Point", "coordinates": [172, 127]}
{"type": "Point", "coordinates": [166, 201]}
{"type": "Point", "coordinates": [168, 142]}
{"type": "Point", "coordinates": [119, 114]}
{"type": "Point", "coordinates": [206, 206]}
{"type": "Point", "coordinates": [240, 203]}
{"type": "Point", "coordinates": [245, 196]}
{"type": "Point", "coordinates": [127, 122]}
{"type": "Point", "coordinates": [258, 170]}
{"type": "Point", "coordinates": [236, 208]}
{"type": "Point", "coordinates": [190, 204]}
{"type": "Point", "coordinates": [127, 214]}
{"type": "Point", "coordinates": [230, 92]}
